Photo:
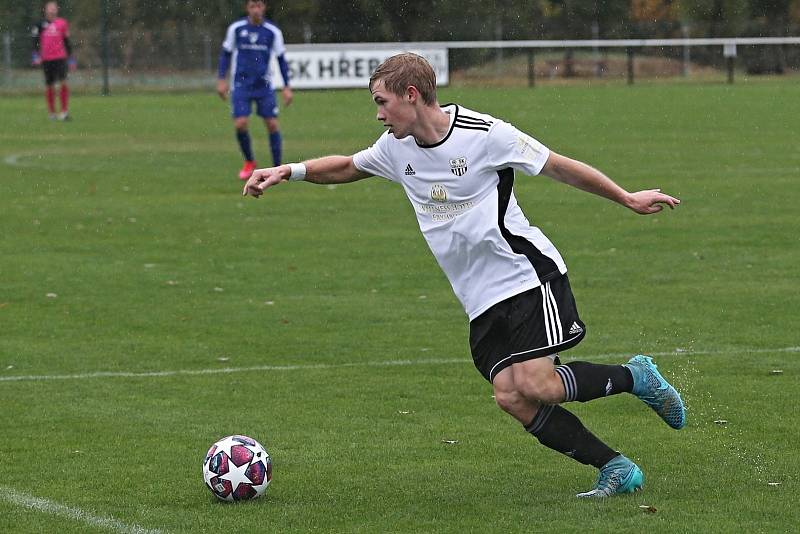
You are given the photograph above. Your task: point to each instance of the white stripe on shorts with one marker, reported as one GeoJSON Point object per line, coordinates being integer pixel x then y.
{"type": "Point", "coordinates": [546, 313]}
{"type": "Point", "coordinates": [557, 318]}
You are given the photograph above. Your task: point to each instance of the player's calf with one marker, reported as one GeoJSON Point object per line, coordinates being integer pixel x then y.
{"type": "Point", "coordinates": [562, 431]}
{"type": "Point", "coordinates": [544, 388]}
{"type": "Point", "coordinates": [584, 381]}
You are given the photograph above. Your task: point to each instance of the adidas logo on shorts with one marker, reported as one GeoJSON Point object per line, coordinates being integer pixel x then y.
{"type": "Point", "coordinates": [575, 328]}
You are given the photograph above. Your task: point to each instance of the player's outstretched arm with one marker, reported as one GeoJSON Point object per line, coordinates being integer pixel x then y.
{"type": "Point", "coordinates": [327, 170]}
{"type": "Point", "coordinates": [587, 178]}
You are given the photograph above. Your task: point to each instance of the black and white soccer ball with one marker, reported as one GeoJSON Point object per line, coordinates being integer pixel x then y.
{"type": "Point", "coordinates": [237, 468]}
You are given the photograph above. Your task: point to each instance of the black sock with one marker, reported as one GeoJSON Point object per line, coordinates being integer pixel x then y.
{"type": "Point", "coordinates": [563, 432]}
{"type": "Point", "coordinates": [584, 381]}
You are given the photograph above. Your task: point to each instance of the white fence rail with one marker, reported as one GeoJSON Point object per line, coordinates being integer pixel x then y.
{"type": "Point", "coordinates": [144, 63]}
{"type": "Point", "coordinates": [727, 45]}
{"type": "Point", "coordinates": [570, 43]}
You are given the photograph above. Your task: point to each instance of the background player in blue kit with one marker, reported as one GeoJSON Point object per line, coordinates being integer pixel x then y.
{"type": "Point", "coordinates": [249, 45]}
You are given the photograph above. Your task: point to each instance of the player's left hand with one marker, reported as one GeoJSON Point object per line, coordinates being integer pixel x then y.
{"type": "Point", "coordinates": [288, 96]}
{"type": "Point", "coordinates": [222, 89]}
{"type": "Point", "coordinates": [651, 201]}
{"type": "Point", "coordinates": [264, 178]}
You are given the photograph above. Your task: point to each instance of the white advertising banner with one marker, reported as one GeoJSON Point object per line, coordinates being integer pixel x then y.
{"type": "Point", "coordinates": [329, 69]}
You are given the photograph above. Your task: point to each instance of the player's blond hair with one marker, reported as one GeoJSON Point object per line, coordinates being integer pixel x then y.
{"type": "Point", "coordinates": [399, 72]}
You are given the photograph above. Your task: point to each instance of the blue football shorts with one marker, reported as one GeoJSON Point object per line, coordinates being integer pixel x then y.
{"type": "Point", "coordinates": [242, 104]}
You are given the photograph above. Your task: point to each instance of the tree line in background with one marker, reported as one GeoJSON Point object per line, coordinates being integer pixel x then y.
{"type": "Point", "coordinates": [436, 20]}
{"type": "Point", "coordinates": [324, 21]}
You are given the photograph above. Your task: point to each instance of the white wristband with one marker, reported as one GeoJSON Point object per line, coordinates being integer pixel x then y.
{"type": "Point", "coordinates": [298, 172]}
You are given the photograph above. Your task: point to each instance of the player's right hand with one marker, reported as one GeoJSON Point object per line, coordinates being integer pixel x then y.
{"type": "Point", "coordinates": [222, 89]}
{"type": "Point", "coordinates": [264, 178]}
{"type": "Point", "coordinates": [651, 201]}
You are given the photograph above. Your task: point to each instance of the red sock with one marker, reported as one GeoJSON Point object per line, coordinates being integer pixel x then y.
{"type": "Point", "coordinates": [64, 97]}
{"type": "Point", "coordinates": [51, 99]}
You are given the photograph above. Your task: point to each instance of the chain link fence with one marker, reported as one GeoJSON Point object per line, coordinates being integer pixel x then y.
{"type": "Point", "coordinates": [157, 60]}
{"type": "Point", "coordinates": [186, 59]}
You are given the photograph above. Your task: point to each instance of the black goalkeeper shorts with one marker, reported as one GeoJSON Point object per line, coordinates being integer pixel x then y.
{"type": "Point", "coordinates": [539, 322]}
{"type": "Point", "coordinates": [54, 71]}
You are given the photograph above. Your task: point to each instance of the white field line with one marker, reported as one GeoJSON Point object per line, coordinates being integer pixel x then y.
{"type": "Point", "coordinates": [317, 366]}
{"type": "Point", "coordinates": [12, 160]}
{"type": "Point", "coordinates": [70, 512]}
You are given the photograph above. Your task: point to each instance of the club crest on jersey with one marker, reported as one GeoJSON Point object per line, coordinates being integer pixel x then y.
{"type": "Point", "coordinates": [253, 38]}
{"type": "Point", "coordinates": [438, 193]}
{"type": "Point", "coordinates": [458, 166]}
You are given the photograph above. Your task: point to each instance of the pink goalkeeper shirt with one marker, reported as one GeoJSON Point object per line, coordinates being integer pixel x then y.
{"type": "Point", "coordinates": [51, 39]}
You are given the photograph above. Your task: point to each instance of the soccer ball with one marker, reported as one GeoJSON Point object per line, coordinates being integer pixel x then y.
{"type": "Point", "coordinates": [237, 468]}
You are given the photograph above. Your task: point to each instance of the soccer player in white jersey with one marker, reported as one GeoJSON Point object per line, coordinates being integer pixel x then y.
{"type": "Point", "coordinates": [457, 168]}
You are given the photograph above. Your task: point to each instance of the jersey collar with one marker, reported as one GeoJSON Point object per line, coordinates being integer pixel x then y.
{"type": "Point", "coordinates": [453, 114]}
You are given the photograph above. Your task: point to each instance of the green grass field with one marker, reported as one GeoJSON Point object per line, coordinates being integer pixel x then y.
{"type": "Point", "coordinates": [132, 271]}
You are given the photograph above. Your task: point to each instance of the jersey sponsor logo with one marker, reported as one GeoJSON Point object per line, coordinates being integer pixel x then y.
{"type": "Point", "coordinates": [410, 170]}
{"type": "Point", "coordinates": [438, 193]}
{"type": "Point", "coordinates": [260, 47]}
{"type": "Point", "coordinates": [444, 211]}
{"type": "Point", "coordinates": [458, 166]}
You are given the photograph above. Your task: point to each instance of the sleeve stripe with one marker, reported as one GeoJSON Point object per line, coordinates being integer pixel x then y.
{"type": "Point", "coordinates": [472, 127]}
{"type": "Point", "coordinates": [473, 120]}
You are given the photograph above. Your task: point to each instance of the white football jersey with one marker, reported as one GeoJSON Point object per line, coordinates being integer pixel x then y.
{"type": "Point", "coordinates": [461, 189]}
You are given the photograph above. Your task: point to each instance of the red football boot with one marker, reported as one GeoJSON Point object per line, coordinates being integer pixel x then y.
{"type": "Point", "coordinates": [247, 170]}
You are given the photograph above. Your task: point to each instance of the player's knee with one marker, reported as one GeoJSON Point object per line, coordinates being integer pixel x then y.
{"type": "Point", "coordinates": [240, 124]}
{"type": "Point", "coordinates": [508, 401]}
{"type": "Point", "coordinates": [272, 125]}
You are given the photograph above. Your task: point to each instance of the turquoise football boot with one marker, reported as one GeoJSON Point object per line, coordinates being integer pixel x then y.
{"type": "Point", "coordinates": [619, 475]}
{"type": "Point", "coordinates": [656, 392]}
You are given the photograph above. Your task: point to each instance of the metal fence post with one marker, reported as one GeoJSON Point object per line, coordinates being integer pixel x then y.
{"type": "Point", "coordinates": [104, 46]}
{"type": "Point", "coordinates": [730, 69]}
{"type": "Point", "coordinates": [630, 65]}
{"type": "Point", "coordinates": [207, 52]}
{"type": "Point", "coordinates": [7, 56]}
{"type": "Point", "coordinates": [729, 51]}
{"type": "Point", "coordinates": [531, 68]}
{"type": "Point", "coordinates": [687, 58]}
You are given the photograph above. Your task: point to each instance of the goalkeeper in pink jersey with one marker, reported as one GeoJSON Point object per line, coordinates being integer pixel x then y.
{"type": "Point", "coordinates": [51, 50]}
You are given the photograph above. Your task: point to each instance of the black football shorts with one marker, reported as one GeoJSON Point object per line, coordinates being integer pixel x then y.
{"type": "Point", "coordinates": [539, 322]}
{"type": "Point", "coordinates": [54, 71]}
